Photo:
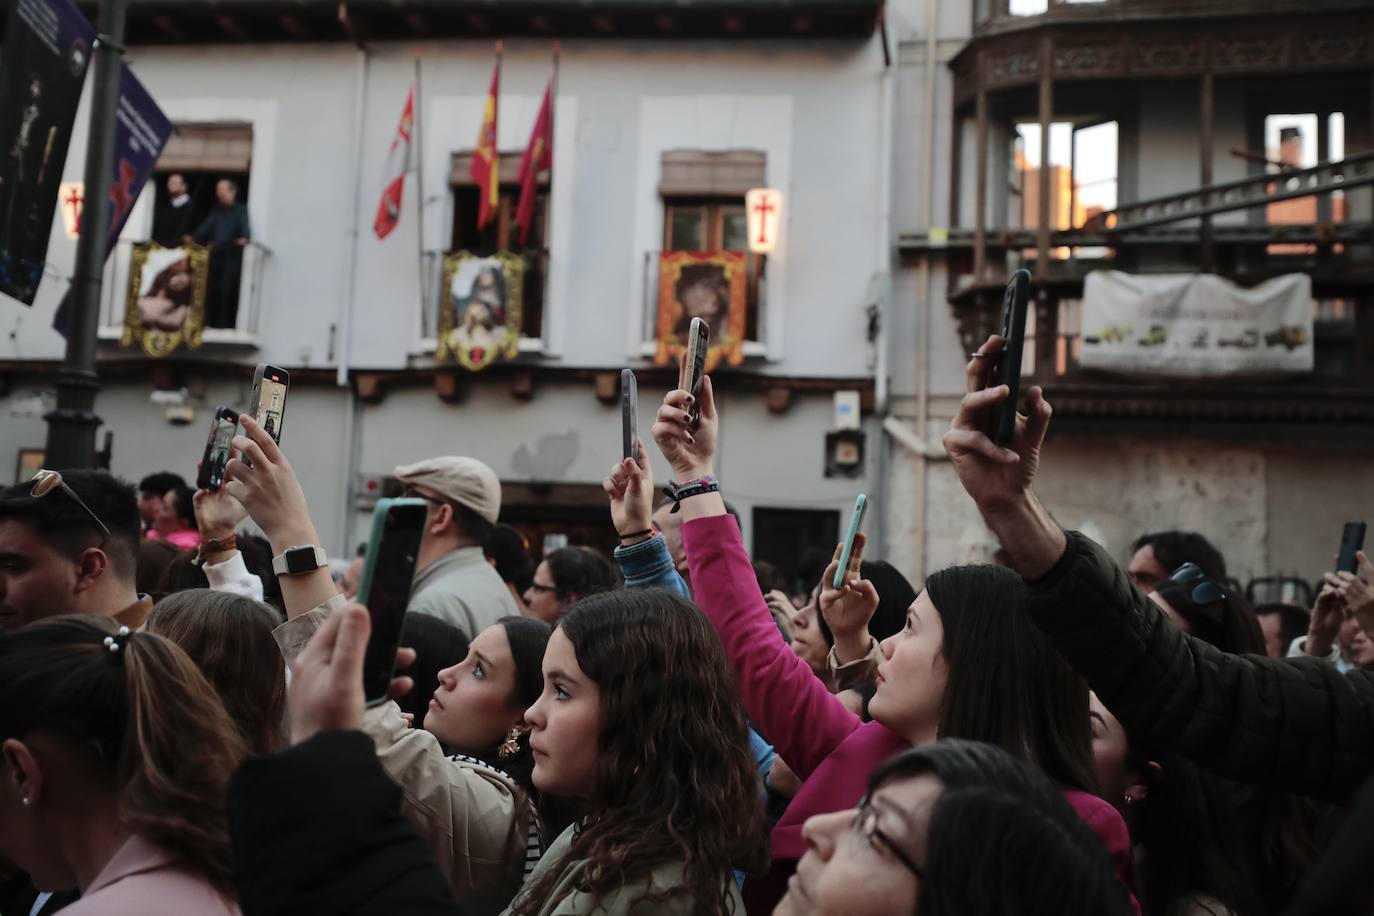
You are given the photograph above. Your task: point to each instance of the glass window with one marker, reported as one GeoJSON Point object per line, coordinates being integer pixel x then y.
{"type": "Point", "coordinates": [1028, 7]}
{"type": "Point", "coordinates": [686, 228]}
{"type": "Point", "coordinates": [734, 232]}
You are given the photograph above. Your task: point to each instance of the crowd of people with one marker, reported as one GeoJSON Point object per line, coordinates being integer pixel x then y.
{"type": "Point", "coordinates": [668, 730]}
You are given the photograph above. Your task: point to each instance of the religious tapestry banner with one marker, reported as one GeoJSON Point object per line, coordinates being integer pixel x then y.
{"type": "Point", "coordinates": [480, 312]}
{"type": "Point", "coordinates": [165, 306]}
{"type": "Point", "coordinates": [42, 66]}
{"type": "Point", "coordinates": [710, 285]}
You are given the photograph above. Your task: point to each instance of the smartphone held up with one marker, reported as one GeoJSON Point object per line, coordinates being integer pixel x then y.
{"type": "Point", "coordinates": [629, 408]}
{"type": "Point", "coordinates": [384, 587]}
{"type": "Point", "coordinates": [1352, 542]}
{"type": "Point", "coordinates": [268, 402]}
{"type": "Point", "coordinates": [694, 362]}
{"type": "Point", "coordinates": [1015, 303]}
{"type": "Point", "coordinates": [222, 428]}
{"type": "Point", "coordinates": [856, 520]}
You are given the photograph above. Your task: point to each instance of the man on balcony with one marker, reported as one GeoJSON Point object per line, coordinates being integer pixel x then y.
{"type": "Point", "coordinates": [172, 218]}
{"type": "Point", "coordinates": [226, 231]}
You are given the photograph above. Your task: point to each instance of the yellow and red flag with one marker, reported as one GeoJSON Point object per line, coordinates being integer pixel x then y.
{"type": "Point", "coordinates": [538, 158]}
{"type": "Point", "coordinates": [486, 161]}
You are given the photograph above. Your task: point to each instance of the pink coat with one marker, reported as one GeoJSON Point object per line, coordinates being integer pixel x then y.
{"type": "Point", "coordinates": [829, 748]}
{"type": "Point", "coordinates": [144, 879]}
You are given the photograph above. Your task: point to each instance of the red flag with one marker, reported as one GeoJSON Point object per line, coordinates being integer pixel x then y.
{"type": "Point", "coordinates": [394, 175]}
{"type": "Point", "coordinates": [538, 158]}
{"type": "Point", "coordinates": [486, 162]}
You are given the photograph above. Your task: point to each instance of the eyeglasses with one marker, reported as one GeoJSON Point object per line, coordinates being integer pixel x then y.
{"type": "Point", "coordinates": [1206, 591]}
{"type": "Point", "coordinates": [866, 825]}
{"type": "Point", "coordinates": [45, 482]}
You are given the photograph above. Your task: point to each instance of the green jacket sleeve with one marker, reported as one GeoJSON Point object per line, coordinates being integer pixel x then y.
{"type": "Point", "coordinates": [1295, 725]}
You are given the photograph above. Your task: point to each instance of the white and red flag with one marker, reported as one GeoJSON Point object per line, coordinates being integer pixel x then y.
{"type": "Point", "coordinates": [398, 162]}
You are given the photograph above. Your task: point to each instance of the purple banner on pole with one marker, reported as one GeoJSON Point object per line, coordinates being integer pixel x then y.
{"type": "Point", "coordinates": [141, 131]}
{"type": "Point", "coordinates": [47, 49]}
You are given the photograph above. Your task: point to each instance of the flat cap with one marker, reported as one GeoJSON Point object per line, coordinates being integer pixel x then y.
{"type": "Point", "coordinates": [465, 481]}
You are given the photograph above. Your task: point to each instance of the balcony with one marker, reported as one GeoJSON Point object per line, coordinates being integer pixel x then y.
{"type": "Point", "coordinates": [437, 268]}
{"type": "Point", "coordinates": [115, 290]}
{"type": "Point", "coordinates": [996, 16]}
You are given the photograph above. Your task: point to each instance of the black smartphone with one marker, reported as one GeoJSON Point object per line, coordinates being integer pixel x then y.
{"type": "Point", "coordinates": [268, 404]}
{"type": "Point", "coordinates": [1015, 302]}
{"type": "Point", "coordinates": [694, 366]}
{"type": "Point", "coordinates": [629, 407]}
{"type": "Point", "coordinates": [1352, 542]}
{"type": "Point", "coordinates": [384, 587]}
{"type": "Point", "coordinates": [222, 428]}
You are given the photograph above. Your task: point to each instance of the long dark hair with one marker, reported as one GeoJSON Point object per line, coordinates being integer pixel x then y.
{"type": "Point", "coordinates": [579, 572]}
{"type": "Point", "coordinates": [1002, 839]}
{"type": "Point", "coordinates": [675, 782]}
{"type": "Point", "coordinates": [1007, 686]}
{"type": "Point", "coordinates": [229, 637]}
{"type": "Point", "coordinates": [528, 638]}
{"type": "Point", "coordinates": [438, 644]}
{"type": "Point", "coordinates": [147, 717]}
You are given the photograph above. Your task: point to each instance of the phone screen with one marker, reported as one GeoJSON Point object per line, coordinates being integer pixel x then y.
{"type": "Point", "coordinates": [391, 555]}
{"type": "Point", "coordinates": [271, 405]}
{"type": "Point", "coordinates": [217, 449]}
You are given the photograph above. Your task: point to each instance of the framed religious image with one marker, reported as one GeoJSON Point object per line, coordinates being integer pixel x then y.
{"type": "Point", "coordinates": [707, 285]}
{"type": "Point", "coordinates": [480, 308]}
{"type": "Point", "coordinates": [165, 305]}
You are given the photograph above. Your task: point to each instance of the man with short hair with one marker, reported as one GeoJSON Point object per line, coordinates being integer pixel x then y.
{"type": "Point", "coordinates": [1155, 557]}
{"type": "Point", "coordinates": [226, 231]}
{"type": "Point", "coordinates": [72, 550]}
{"type": "Point", "coordinates": [151, 489]}
{"type": "Point", "coordinates": [453, 581]}
{"type": "Point", "coordinates": [172, 217]}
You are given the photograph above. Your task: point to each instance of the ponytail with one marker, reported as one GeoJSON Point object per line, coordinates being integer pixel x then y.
{"type": "Point", "coordinates": [153, 721]}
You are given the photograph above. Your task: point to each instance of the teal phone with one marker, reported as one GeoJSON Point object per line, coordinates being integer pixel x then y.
{"type": "Point", "coordinates": [384, 587]}
{"type": "Point", "coordinates": [855, 520]}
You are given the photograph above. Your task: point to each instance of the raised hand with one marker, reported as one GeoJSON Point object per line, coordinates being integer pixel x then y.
{"type": "Point", "coordinates": [217, 513]}
{"type": "Point", "coordinates": [849, 608]}
{"type": "Point", "coordinates": [1327, 616]}
{"type": "Point", "coordinates": [630, 487]}
{"type": "Point", "coordinates": [1357, 592]}
{"type": "Point", "coordinates": [267, 488]}
{"type": "Point", "coordinates": [326, 692]}
{"type": "Point", "coordinates": [690, 451]}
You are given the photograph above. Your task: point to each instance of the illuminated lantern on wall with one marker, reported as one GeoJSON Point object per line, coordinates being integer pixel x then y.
{"type": "Point", "coordinates": [763, 207]}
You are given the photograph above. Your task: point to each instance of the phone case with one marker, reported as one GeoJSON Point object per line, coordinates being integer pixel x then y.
{"type": "Point", "coordinates": [694, 366]}
{"type": "Point", "coordinates": [855, 520]}
{"type": "Point", "coordinates": [629, 408]}
{"type": "Point", "coordinates": [1015, 303]}
{"type": "Point", "coordinates": [380, 655]}
{"type": "Point", "coordinates": [1352, 542]}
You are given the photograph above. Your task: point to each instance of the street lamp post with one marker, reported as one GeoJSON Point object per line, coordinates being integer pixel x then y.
{"type": "Point", "coordinates": [72, 425]}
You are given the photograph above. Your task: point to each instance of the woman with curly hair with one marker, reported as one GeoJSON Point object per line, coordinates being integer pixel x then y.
{"type": "Point", "coordinates": [114, 757]}
{"type": "Point", "coordinates": [639, 719]}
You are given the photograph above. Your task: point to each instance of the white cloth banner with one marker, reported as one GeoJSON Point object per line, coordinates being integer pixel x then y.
{"type": "Point", "coordinates": [1196, 324]}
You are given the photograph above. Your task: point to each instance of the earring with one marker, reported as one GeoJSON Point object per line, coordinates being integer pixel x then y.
{"type": "Point", "coordinates": [1131, 800]}
{"type": "Point", "coordinates": [511, 746]}
{"type": "Point", "coordinates": [26, 801]}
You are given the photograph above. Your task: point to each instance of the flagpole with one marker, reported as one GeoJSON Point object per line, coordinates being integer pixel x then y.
{"type": "Point", "coordinates": [419, 150]}
{"type": "Point", "coordinates": [545, 255]}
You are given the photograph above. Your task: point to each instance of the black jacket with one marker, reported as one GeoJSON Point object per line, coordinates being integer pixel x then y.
{"type": "Point", "coordinates": [317, 829]}
{"type": "Point", "coordinates": [1296, 725]}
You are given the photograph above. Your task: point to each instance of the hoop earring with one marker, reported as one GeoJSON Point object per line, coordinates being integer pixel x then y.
{"type": "Point", "coordinates": [511, 746]}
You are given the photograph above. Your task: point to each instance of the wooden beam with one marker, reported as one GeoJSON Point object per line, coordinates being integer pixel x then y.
{"type": "Point", "coordinates": [292, 26]}
{"type": "Point", "coordinates": [1042, 235]}
{"type": "Point", "coordinates": [370, 387]}
{"type": "Point", "coordinates": [451, 385]}
{"type": "Point", "coordinates": [667, 23]}
{"type": "Point", "coordinates": [733, 24]}
{"type": "Point", "coordinates": [1206, 146]}
{"type": "Point", "coordinates": [602, 23]}
{"type": "Point", "coordinates": [541, 24]}
{"type": "Point", "coordinates": [802, 24]}
{"type": "Point", "coordinates": [167, 26]}
{"type": "Point", "coordinates": [231, 25]}
{"type": "Point", "coordinates": [418, 24]}
{"type": "Point", "coordinates": [980, 216]}
{"type": "Point", "coordinates": [779, 399]}
{"type": "Point", "coordinates": [522, 385]}
{"type": "Point", "coordinates": [478, 23]}
{"type": "Point", "coordinates": [607, 387]}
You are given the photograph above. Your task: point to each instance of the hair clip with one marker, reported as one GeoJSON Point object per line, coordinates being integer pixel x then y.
{"type": "Point", "coordinates": [116, 642]}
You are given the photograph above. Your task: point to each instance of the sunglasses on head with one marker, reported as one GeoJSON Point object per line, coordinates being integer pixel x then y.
{"type": "Point", "coordinates": [46, 482]}
{"type": "Point", "coordinates": [1205, 591]}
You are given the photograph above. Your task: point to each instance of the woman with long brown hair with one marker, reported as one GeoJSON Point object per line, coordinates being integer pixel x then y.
{"type": "Point", "coordinates": [114, 757]}
{"type": "Point", "coordinates": [229, 637]}
{"type": "Point", "coordinates": [639, 719]}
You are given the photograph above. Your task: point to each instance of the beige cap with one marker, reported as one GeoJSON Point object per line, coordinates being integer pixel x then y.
{"type": "Point", "coordinates": [465, 481]}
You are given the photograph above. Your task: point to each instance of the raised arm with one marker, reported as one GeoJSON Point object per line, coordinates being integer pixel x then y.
{"type": "Point", "coordinates": [790, 706]}
{"type": "Point", "coordinates": [643, 555]}
{"type": "Point", "coordinates": [1296, 726]}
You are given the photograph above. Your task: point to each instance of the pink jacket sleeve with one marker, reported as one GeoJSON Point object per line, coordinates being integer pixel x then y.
{"type": "Point", "coordinates": [785, 699]}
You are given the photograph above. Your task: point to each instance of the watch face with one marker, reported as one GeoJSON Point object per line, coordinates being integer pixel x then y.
{"type": "Point", "coordinates": [301, 560]}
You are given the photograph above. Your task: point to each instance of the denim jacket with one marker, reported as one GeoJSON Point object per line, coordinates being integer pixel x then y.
{"type": "Point", "coordinates": [649, 565]}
